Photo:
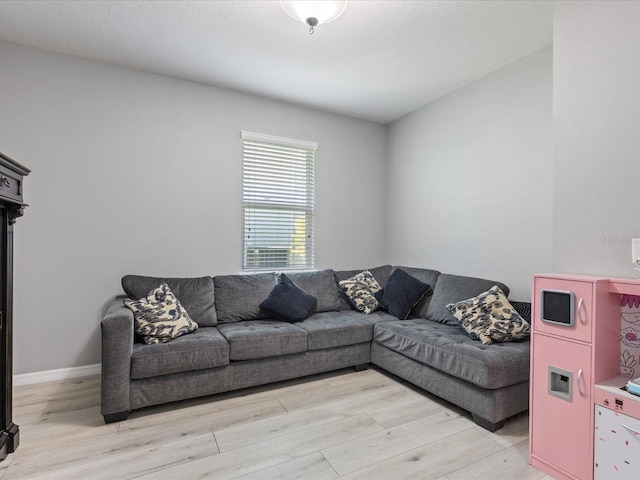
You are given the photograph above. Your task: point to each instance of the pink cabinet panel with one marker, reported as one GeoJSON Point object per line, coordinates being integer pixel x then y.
{"type": "Point", "coordinates": [566, 362]}
{"type": "Point", "coordinates": [583, 308]}
{"type": "Point", "coordinates": [561, 405]}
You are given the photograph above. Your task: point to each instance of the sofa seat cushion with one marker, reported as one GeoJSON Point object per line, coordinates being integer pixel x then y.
{"type": "Point", "coordinates": [263, 338]}
{"type": "Point", "coordinates": [335, 329]}
{"type": "Point", "coordinates": [204, 348]}
{"type": "Point", "coordinates": [379, 316]}
{"type": "Point", "coordinates": [449, 349]}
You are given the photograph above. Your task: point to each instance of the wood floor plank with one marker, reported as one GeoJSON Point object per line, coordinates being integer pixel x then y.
{"type": "Point", "coordinates": [401, 412]}
{"type": "Point", "coordinates": [431, 461]}
{"type": "Point", "coordinates": [515, 430]}
{"type": "Point", "coordinates": [367, 424]}
{"type": "Point", "coordinates": [140, 432]}
{"type": "Point", "coordinates": [362, 452]}
{"type": "Point", "coordinates": [29, 413]}
{"type": "Point", "coordinates": [320, 393]}
{"type": "Point", "coordinates": [55, 390]}
{"type": "Point", "coordinates": [266, 454]}
{"type": "Point", "coordinates": [274, 427]}
{"type": "Point", "coordinates": [4, 465]}
{"type": "Point", "coordinates": [30, 459]}
{"type": "Point", "coordinates": [211, 416]}
{"type": "Point", "coordinates": [509, 463]}
{"type": "Point", "coordinates": [73, 427]}
{"type": "Point", "coordinates": [357, 379]}
{"type": "Point", "coordinates": [80, 402]}
{"type": "Point", "coordinates": [356, 403]}
{"type": "Point", "coordinates": [139, 462]}
{"type": "Point", "coordinates": [311, 467]}
{"type": "Point", "coordinates": [366, 400]}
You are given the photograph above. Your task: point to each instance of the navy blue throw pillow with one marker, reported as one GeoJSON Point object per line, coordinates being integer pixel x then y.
{"type": "Point", "coordinates": [289, 302]}
{"type": "Point", "coordinates": [400, 293]}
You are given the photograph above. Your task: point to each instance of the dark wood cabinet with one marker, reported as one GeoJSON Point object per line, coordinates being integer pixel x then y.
{"type": "Point", "coordinates": [11, 207]}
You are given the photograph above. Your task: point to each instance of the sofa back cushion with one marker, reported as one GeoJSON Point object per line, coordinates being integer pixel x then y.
{"type": "Point", "coordinates": [381, 274]}
{"type": "Point", "coordinates": [196, 295]}
{"type": "Point", "coordinates": [453, 289]}
{"type": "Point", "coordinates": [238, 297]}
{"type": "Point", "coordinates": [321, 285]}
{"type": "Point", "coordinates": [430, 277]}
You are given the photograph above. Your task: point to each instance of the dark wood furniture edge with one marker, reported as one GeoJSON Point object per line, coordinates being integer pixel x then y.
{"type": "Point", "coordinates": [11, 208]}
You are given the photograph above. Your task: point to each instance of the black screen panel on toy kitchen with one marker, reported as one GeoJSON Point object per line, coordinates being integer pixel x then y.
{"type": "Point", "coordinates": [558, 307]}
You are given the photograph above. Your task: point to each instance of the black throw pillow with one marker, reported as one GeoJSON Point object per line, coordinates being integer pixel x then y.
{"type": "Point", "coordinates": [400, 293]}
{"type": "Point", "coordinates": [289, 302]}
{"type": "Point", "coordinates": [523, 308]}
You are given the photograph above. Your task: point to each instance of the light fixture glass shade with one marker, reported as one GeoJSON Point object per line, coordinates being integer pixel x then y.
{"type": "Point", "coordinates": [324, 11]}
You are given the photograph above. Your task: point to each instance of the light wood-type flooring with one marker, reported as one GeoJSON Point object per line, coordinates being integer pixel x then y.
{"type": "Point", "coordinates": [346, 424]}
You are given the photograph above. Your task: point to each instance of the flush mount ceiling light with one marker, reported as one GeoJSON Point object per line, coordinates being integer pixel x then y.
{"type": "Point", "coordinates": [314, 13]}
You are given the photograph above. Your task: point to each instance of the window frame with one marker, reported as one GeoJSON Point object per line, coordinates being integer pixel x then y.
{"type": "Point", "coordinates": [294, 198]}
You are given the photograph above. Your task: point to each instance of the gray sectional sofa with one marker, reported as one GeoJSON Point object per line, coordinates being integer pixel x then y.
{"type": "Point", "coordinates": [238, 345]}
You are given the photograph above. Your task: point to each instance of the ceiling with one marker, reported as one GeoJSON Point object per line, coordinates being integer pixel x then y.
{"type": "Point", "coordinates": [379, 61]}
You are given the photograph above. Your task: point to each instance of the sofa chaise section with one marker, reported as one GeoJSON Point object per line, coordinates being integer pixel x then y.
{"type": "Point", "coordinates": [490, 381]}
{"type": "Point", "coordinates": [434, 353]}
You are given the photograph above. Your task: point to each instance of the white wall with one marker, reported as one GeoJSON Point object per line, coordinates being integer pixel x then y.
{"type": "Point", "coordinates": [470, 179]}
{"type": "Point", "coordinates": [596, 136]}
{"type": "Point", "coordinates": [140, 173]}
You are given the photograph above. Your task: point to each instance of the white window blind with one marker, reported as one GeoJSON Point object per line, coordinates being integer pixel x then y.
{"type": "Point", "coordinates": [277, 203]}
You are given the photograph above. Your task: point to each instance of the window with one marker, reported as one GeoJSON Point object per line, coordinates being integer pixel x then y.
{"type": "Point", "coordinates": [277, 203]}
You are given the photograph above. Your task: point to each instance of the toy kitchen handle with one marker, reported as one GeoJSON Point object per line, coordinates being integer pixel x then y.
{"type": "Point", "coordinates": [631, 429]}
{"type": "Point", "coordinates": [578, 382]}
{"type": "Point", "coordinates": [580, 317]}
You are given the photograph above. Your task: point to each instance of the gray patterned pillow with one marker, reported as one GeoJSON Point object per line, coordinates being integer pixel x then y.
{"type": "Point", "coordinates": [490, 317]}
{"type": "Point", "coordinates": [361, 290]}
{"type": "Point", "coordinates": [159, 317]}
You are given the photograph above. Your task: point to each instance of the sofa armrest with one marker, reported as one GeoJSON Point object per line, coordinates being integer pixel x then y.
{"type": "Point", "coordinates": [117, 347]}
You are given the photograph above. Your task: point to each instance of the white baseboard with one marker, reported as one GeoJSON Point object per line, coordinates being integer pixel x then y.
{"type": "Point", "coordinates": [59, 374]}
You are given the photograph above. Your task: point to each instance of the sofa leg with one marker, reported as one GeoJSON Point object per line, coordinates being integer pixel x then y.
{"type": "Point", "coordinates": [361, 367]}
{"type": "Point", "coordinates": [116, 417]}
{"type": "Point", "coordinates": [486, 424]}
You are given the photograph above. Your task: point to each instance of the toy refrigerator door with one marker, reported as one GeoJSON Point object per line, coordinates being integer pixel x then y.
{"type": "Point", "coordinates": [617, 446]}
{"type": "Point", "coordinates": [561, 429]}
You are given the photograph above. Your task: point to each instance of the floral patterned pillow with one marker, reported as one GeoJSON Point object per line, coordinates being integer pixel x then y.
{"type": "Point", "coordinates": [361, 290]}
{"type": "Point", "coordinates": [160, 317]}
{"type": "Point", "coordinates": [490, 317]}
